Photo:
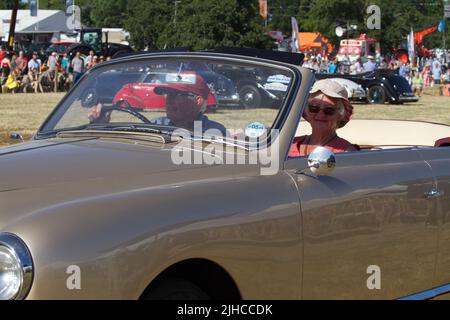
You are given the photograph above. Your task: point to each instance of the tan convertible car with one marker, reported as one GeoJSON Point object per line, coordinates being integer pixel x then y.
{"type": "Point", "coordinates": [109, 201]}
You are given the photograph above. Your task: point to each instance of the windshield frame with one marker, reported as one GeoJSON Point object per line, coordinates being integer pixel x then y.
{"type": "Point", "coordinates": [204, 57]}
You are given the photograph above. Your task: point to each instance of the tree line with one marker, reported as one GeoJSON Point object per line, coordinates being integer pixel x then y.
{"type": "Point", "coordinates": [203, 24]}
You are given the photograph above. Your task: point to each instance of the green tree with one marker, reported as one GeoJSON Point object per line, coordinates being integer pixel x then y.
{"type": "Point", "coordinates": [109, 14]}
{"type": "Point", "coordinates": [397, 19]}
{"type": "Point", "coordinates": [8, 4]}
{"type": "Point", "coordinates": [52, 4]}
{"type": "Point", "coordinates": [146, 19]}
{"type": "Point", "coordinates": [281, 11]}
{"type": "Point", "coordinates": [202, 25]}
{"type": "Point", "coordinates": [324, 16]}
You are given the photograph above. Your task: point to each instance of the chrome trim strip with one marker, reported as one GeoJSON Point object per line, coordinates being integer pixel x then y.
{"type": "Point", "coordinates": [428, 294]}
{"type": "Point", "coordinates": [15, 244]}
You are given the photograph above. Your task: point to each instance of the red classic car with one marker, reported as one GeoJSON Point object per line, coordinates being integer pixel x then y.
{"type": "Point", "coordinates": [140, 94]}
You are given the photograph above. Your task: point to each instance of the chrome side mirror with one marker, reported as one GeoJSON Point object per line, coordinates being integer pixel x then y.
{"type": "Point", "coordinates": [321, 161]}
{"type": "Point", "coordinates": [16, 136]}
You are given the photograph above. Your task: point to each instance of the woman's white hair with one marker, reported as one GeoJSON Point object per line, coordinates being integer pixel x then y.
{"type": "Point", "coordinates": [341, 107]}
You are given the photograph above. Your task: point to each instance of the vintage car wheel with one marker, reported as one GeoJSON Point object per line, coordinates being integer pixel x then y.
{"type": "Point", "coordinates": [250, 97]}
{"type": "Point", "coordinates": [376, 95]}
{"type": "Point", "coordinates": [89, 98]}
{"type": "Point", "coordinates": [175, 289]}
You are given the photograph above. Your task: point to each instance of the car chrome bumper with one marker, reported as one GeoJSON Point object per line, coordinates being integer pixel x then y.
{"type": "Point", "coordinates": [358, 96]}
{"type": "Point", "coordinates": [227, 101]}
{"type": "Point", "coordinates": [408, 99]}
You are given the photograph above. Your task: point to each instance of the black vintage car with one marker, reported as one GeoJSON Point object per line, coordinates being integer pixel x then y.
{"type": "Point", "coordinates": [223, 87]}
{"type": "Point", "coordinates": [254, 89]}
{"type": "Point", "coordinates": [381, 86]}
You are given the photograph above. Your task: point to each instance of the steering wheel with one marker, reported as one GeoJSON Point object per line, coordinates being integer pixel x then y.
{"type": "Point", "coordinates": [116, 107]}
{"type": "Point", "coordinates": [89, 98]}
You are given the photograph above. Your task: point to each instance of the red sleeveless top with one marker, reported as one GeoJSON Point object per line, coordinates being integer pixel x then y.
{"type": "Point", "coordinates": [336, 145]}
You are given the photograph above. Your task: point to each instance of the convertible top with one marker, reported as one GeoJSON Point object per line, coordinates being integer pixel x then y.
{"type": "Point", "coordinates": [279, 56]}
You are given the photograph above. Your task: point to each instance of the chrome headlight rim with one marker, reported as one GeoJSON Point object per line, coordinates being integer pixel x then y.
{"type": "Point", "coordinates": [18, 247]}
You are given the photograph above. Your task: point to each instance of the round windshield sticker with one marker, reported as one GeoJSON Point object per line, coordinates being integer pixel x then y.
{"type": "Point", "coordinates": [255, 130]}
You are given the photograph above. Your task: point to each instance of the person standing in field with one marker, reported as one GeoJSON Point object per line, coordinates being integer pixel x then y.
{"type": "Point", "coordinates": [417, 84]}
{"type": "Point", "coordinates": [78, 67]}
{"type": "Point", "coordinates": [6, 66]}
{"type": "Point", "coordinates": [21, 64]}
{"type": "Point", "coordinates": [34, 71]}
{"type": "Point", "coordinates": [436, 71]}
{"type": "Point", "coordinates": [426, 75]}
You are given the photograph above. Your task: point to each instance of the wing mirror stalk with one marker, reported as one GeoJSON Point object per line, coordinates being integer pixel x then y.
{"type": "Point", "coordinates": [16, 136]}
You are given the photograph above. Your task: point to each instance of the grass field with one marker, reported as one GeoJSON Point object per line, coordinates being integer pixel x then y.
{"type": "Point", "coordinates": [24, 113]}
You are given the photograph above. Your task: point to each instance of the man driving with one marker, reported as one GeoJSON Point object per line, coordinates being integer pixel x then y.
{"type": "Point", "coordinates": [186, 100]}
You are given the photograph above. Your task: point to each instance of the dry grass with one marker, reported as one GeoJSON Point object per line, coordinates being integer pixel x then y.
{"type": "Point", "coordinates": [24, 113]}
{"type": "Point", "coordinates": [429, 108]}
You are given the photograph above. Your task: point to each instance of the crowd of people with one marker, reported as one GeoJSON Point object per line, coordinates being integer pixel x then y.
{"type": "Point", "coordinates": [58, 72]}
{"type": "Point", "coordinates": [425, 73]}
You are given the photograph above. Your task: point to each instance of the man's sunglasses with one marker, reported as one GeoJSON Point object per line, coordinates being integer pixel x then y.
{"type": "Point", "coordinates": [329, 111]}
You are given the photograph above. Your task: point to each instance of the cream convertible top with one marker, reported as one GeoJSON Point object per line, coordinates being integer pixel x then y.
{"type": "Point", "coordinates": [385, 134]}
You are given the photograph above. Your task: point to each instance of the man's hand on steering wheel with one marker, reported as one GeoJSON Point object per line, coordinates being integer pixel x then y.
{"type": "Point", "coordinates": [102, 114]}
{"type": "Point", "coordinates": [96, 114]}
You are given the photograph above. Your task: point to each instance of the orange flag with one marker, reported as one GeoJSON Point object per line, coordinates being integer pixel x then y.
{"type": "Point", "coordinates": [263, 9]}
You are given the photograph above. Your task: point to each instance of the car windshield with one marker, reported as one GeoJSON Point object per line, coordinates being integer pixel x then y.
{"type": "Point", "coordinates": [198, 95]}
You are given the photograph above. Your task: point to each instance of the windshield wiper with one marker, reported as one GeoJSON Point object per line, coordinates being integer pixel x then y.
{"type": "Point", "coordinates": [111, 127]}
{"type": "Point", "coordinates": [125, 127]}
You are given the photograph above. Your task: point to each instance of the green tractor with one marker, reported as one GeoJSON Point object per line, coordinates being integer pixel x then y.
{"type": "Point", "coordinates": [92, 39]}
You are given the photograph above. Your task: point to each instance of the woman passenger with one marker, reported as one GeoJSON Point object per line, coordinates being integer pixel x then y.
{"type": "Point", "coordinates": [328, 109]}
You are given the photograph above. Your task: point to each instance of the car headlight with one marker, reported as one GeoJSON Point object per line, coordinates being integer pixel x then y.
{"type": "Point", "coordinates": [16, 268]}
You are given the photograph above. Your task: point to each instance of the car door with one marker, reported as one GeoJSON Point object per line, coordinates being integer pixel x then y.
{"type": "Point", "coordinates": [368, 231]}
{"type": "Point", "coordinates": [439, 160]}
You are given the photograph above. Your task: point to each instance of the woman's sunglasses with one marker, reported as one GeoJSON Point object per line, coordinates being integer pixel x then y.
{"type": "Point", "coordinates": [329, 111]}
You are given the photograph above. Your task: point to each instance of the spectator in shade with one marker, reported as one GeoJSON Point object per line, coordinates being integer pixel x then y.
{"type": "Point", "coordinates": [370, 66]}
{"type": "Point", "coordinates": [21, 64]}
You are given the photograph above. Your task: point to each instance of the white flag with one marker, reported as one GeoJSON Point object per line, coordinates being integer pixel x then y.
{"type": "Point", "coordinates": [295, 44]}
{"type": "Point", "coordinates": [411, 47]}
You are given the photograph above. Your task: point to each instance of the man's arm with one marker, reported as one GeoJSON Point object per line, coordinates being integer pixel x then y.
{"type": "Point", "coordinates": [97, 116]}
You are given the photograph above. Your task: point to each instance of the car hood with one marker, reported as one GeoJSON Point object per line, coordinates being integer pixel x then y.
{"type": "Point", "coordinates": [40, 175]}
{"type": "Point", "coordinates": [61, 161]}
